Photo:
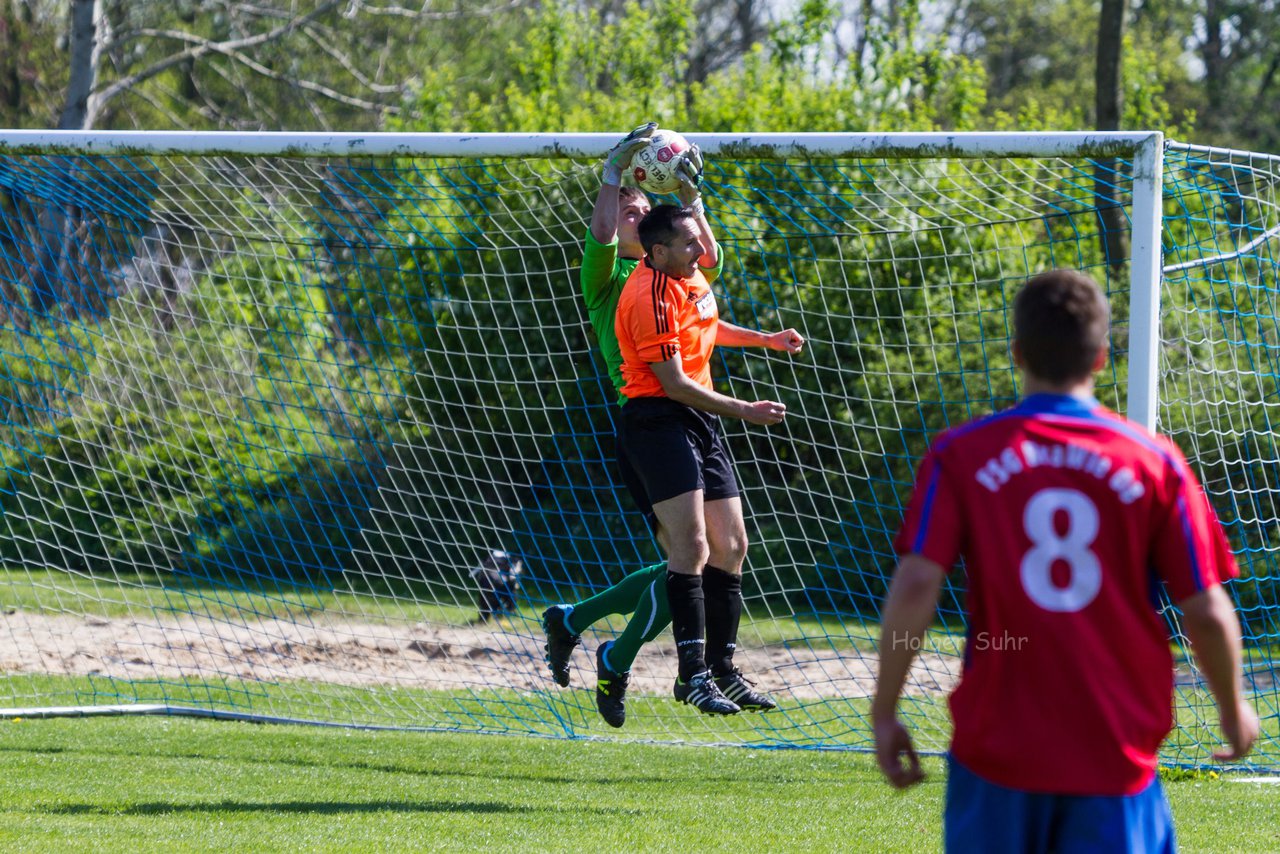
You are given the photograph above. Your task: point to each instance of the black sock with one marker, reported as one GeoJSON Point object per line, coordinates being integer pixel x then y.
{"type": "Point", "coordinates": [723, 593]}
{"type": "Point", "coordinates": [688, 622]}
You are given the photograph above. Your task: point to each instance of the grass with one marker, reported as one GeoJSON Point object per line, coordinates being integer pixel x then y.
{"type": "Point", "coordinates": [555, 712]}
{"type": "Point", "coordinates": [194, 785]}
{"type": "Point", "coordinates": [183, 785]}
{"type": "Point", "coordinates": [560, 713]}
{"type": "Point", "coordinates": [139, 593]}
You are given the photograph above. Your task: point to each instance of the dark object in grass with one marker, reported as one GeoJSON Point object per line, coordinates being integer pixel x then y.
{"type": "Point", "coordinates": [498, 577]}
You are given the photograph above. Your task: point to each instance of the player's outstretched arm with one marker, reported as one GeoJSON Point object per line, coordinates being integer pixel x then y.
{"type": "Point", "coordinates": [689, 174]}
{"type": "Point", "coordinates": [1209, 619]}
{"type": "Point", "coordinates": [908, 610]}
{"type": "Point", "coordinates": [604, 216]}
{"type": "Point", "coordinates": [681, 389]}
{"type": "Point", "coordinates": [731, 335]}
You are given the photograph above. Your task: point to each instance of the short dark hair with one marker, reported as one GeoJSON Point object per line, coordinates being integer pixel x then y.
{"type": "Point", "coordinates": [659, 225]}
{"type": "Point", "coordinates": [1061, 323]}
{"type": "Point", "coordinates": [627, 195]}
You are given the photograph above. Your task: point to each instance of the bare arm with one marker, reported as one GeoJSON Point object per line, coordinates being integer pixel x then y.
{"type": "Point", "coordinates": [730, 335]}
{"type": "Point", "coordinates": [689, 172]}
{"type": "Point", "coordinates": [908, 610]}
{"type": "Point", "coordinates": [1210, 622]}
{"type": "Point", "coordinates": [710, 249]}
{"type": "Point", "coordinates": [604, 216]}
{"type": "Point", "coordinates": [681, 389]}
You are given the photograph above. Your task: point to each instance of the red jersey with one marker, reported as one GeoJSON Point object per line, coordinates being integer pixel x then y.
{"type": "Point", "coordinates": [658, 317]}
{"type": "Point", "coordinates": [1068, 517]}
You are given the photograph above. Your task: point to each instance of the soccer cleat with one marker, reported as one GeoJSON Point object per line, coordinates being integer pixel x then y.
{"type": "Point", "coordinates": [738, 689]}
{"type": "Point", "coordinates": [560, 642]}
{"type": "Point", "coordinates": [702, 693]}
{"type": "Point", "coordinates": [611, 690]}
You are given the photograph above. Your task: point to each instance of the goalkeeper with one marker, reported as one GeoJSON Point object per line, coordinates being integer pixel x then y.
{"type": "Point", "coordinates": [610, 254]}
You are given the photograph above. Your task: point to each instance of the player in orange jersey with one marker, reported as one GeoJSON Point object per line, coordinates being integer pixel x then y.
{"type": "Point", "coordinates": [611, 252]}
{"type": "Point", "coordinates": [667, 326]}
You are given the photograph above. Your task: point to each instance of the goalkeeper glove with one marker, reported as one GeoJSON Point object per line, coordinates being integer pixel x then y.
{"type": "Point", "coordinates": [619, 157]}
{"type": "Point", "coordinates": [689, 173]}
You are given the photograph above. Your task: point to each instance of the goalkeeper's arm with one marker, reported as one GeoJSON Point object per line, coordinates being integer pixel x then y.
{"type": "Point", "coordinates": [689, 171]}
{"type": "Point", "coordinates": [604, 216]}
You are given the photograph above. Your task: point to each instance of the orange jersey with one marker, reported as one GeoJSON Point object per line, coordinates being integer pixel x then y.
{"type": "Point", "coordinates": [658, 317]}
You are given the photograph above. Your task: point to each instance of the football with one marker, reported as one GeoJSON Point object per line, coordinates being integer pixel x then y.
{"type": "Point", "coordinates": [653, 166]}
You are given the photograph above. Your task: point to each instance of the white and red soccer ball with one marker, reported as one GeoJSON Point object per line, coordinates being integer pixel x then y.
{"type": "Point", "coordinates": [654, 166]}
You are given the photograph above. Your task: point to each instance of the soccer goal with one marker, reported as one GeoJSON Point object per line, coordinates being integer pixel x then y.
{"type": "Point", "coordinates": [274, 401]}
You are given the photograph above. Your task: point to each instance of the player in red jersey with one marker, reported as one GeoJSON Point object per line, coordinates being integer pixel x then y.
{"type": "Point", "coordinates": [1069, 518]}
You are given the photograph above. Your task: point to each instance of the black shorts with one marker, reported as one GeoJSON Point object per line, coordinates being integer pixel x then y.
{"type": "Point", "coordinates": [666, 449]}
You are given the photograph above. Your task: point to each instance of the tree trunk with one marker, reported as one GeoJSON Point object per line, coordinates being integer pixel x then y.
{"type": "Point", "coordinates": [1108, 98]}
{"type": "Point", "coordinates": [1211, 54]}
{"type": "Point", "coordinates": [84, 72]}
{"type": "Point", "coordinates": [53, 276]}
{"type": "Point", "coordinates": [10, 79]}
{"type": "Point", "coordinates": [1107, 74]}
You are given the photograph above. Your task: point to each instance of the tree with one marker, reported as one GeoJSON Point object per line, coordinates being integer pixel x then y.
{"type": "Point", "coordinates": [28, 44]}
{"type": "Point", "coordinates": [117, 47]}
{"type": "Point", "coordinates": [194, 63]}
{"type": "Point", "coordinates": [727, 31]}
{"type": "Point", "coordinates": [555, 76]}
{"type": "Point", "coordinates": [1033, 50]}
{"type": "Point", "coordinates": [1238, 44]}
{"type": "Point", "coordinates": [1108, 92]}
{"type": "Point", "coordinates": [328, 64]}
{"type": "Point", "coordinates": [86, 20]}
{"type": "Point", "coordinates": [1107, 101]}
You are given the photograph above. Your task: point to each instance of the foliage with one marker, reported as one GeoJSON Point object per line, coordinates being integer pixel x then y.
{"type": "Point", "coordinates": [29, 32]}
{"type": "Point", "coordinates": [558, 78]}
{"type": "Point", "coordinates": [238, 447]}
{"type": "Point", "coordinates": [564, 64]}
{"type": "Point", "coordinates": [267, 428]}
{"type": "Point", "coordinates": [1219, 323]}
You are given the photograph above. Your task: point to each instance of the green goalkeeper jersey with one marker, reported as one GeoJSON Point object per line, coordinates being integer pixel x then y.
{"type": "Point", "coordinates": [603, 275]}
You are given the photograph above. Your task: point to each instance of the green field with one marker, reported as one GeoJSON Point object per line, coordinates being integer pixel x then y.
{"type": "Point", "coordinates": [142, 783]}
{"type": "Point", "coordinates": [151, 783]}
{"type": "Point", "coordinates": [556, 713]}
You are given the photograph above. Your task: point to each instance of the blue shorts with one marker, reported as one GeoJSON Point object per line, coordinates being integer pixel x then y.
{"type": "Point", "coordinates": [982, 817]}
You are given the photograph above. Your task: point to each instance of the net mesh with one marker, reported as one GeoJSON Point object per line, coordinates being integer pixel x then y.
{"type": "Point", "coordinates": [267, 416]}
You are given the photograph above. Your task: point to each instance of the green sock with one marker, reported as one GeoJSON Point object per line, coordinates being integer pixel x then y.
{"type": "Point", "coordinates": [618, 599]}
{"type": "Point", "coordinates": [652, 615]}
